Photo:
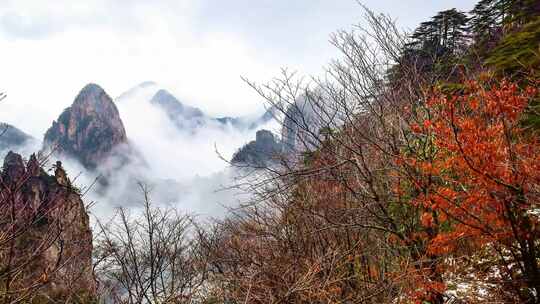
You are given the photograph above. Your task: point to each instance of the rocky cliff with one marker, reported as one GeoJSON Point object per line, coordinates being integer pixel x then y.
{"type": "Point", "coordinates": [261, 152]}
{"type": "Point", "coordinates": [47, 245]}
{"type": "Point", "coordinates": [90, 130]}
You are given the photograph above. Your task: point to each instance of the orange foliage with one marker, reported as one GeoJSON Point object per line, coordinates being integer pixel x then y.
{"type": "Point", "coordinates": [482, 179]}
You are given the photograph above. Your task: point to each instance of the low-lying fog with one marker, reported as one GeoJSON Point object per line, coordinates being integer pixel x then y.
{"type": "Point", "coordinates": [184, 168]}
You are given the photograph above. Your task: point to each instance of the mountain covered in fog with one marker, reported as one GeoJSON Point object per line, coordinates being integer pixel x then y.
{"type": "Point", "coordinates": [12, 138]}
{"type": "Point", "coordinates": [149, 135]}
{"type": "Point", "coordinates": [95, 129]}
{"type": "Point", "coordinates": [183, 116]}
{"type": "Point", "coordinates": [301, 126]}
{"type": "Point", "coordinates": [90, 130]}
{"type": "Point", "coordinates": [186, 117]}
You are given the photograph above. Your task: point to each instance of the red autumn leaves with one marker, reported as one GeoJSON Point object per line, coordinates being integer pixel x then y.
{"type": "Point", "coordinates": [479, 177]}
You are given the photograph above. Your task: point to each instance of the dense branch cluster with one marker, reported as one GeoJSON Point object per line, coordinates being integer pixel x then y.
{"type": "Point", "coordinates": [413, 178]}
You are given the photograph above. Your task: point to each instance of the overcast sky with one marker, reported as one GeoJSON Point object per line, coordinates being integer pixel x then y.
{"type": "Point", "coordinates": [198, 49]}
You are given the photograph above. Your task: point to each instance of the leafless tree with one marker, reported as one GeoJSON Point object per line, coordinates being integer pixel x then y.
{"type": "Point", "coordinates": [150, 258]}
{"type": "Point", "coordinates": [333, 197]}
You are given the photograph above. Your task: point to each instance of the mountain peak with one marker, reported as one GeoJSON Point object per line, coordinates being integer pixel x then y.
{"type": "Point", "coordinates": [92, 96]}
{"type": "Point", "coordinates": [182, 115]}
{"type": "Point", "coordinates": [88, 130]}
{"type": "Point", "coordinates": [162, 95]}
{"type": "Point", "coordinates": [92, 87]}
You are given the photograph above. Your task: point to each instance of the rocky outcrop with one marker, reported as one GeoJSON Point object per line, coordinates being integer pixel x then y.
{"type": "Point", "coordinates": [90, 130]}
{"type": "Point", "coordinates": [11, 137]}
{"type": "Point", "coordinates": [51, 244]}
{"type": "Point", "coordinates": [261, 152]}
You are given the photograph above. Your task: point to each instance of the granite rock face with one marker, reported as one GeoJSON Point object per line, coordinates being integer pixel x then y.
{"type": "Point", "coordinates": [261, 152]}
{"type": "Point", "coordinates": [89, 130]}
{"type": "Point", "coordinates": [52, 243]}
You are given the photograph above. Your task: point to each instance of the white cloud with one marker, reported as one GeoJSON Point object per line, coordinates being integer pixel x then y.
{"type": "Point", "coordinates": [42, 77]}
{"type": "Point", "coordinates": [199, 49]}
{"type": "Point", "coordinates": [196, 49]}
{"type": "Point", "coordinates": [181, 165]}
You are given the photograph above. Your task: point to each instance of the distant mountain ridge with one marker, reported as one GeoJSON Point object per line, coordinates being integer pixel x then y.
{"type": "Point", "coordinates": [183, 116]}
{"type": "Point", "coordinates": [11, 137]}
{"type": "Point", "coordinates": [191, 118]}
{"type": "Point", "coordinates": [92, 132]}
